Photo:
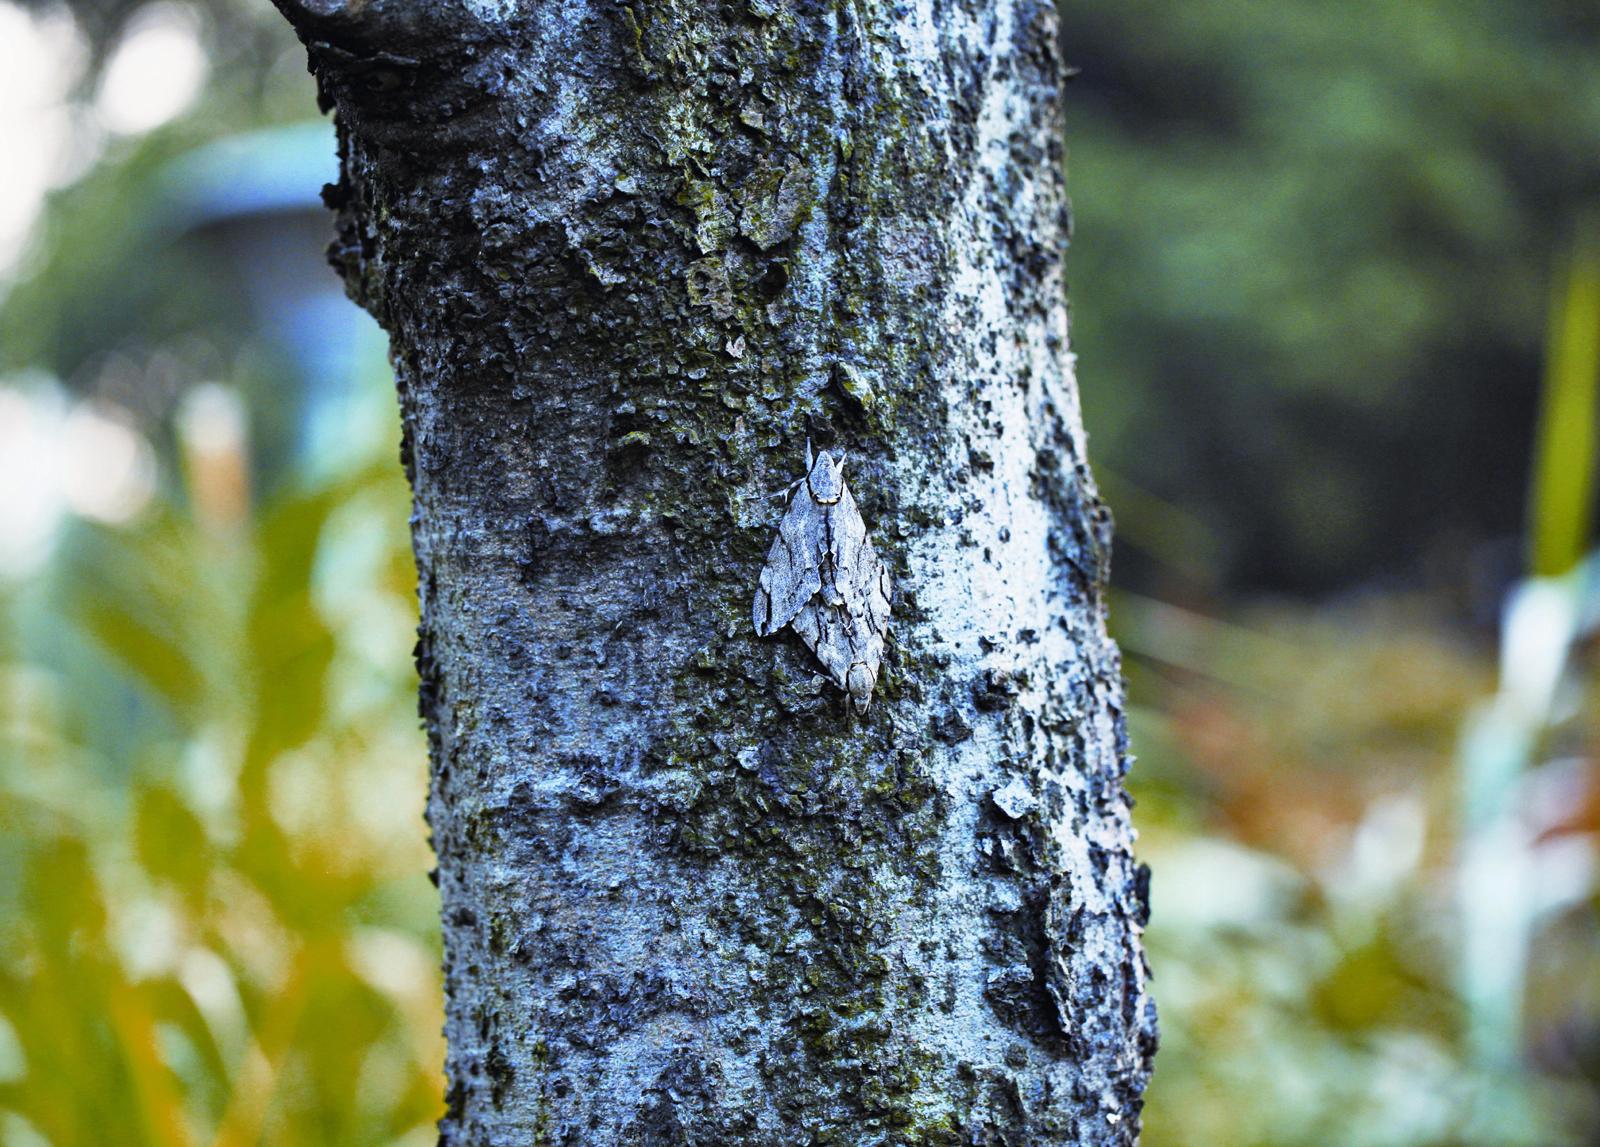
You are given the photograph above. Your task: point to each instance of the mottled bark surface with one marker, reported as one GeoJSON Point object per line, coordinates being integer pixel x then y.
{"type": "Point", "coordinates": [631, 255]}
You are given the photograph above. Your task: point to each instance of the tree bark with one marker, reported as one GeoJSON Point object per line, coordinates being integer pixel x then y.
{"type": "Point", "coordinates": [631, 256]}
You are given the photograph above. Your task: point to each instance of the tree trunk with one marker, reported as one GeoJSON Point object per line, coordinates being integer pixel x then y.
{"type": "Point", "coordinates": [631, 257]}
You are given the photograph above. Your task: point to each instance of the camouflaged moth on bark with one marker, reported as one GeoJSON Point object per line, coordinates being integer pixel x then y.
{"type": "Point", "coordinates": [823, 577]}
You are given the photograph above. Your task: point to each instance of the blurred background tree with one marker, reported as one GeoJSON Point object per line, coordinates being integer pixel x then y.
{"type": "Point", "coordinates": [1327, 260]}
{"type": "Point", "coordinates": [1313, 254]}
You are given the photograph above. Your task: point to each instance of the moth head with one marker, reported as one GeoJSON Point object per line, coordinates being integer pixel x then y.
{"type": "Point", "coordinates": [825, 479]}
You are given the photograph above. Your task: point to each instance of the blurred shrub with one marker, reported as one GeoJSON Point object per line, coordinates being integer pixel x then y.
{"type": "Point", "coordinates": [1298, 806]}
{"type": "Point", "coordinates": [210, 782]}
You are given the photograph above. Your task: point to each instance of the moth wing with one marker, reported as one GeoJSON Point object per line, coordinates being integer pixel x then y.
{"type": "Point", "coordinates": [849, 616]}
{"type": "Point", "coordinates": [847, 535]}
{"type": "Point", "coordinates": [846, 645]}
{"type": "Point", "coordinates": [860, 577]}
{"type": "Point", "coordinates": [808, 624]}
{"type": "Point", "coordinates": [824, 628]}
{"type": "Point", "coordinates": [880, 597]}
{"type": "Point", "coordinates": [793, 573]}
{"type": "Point", "coordinates": [824, 576]}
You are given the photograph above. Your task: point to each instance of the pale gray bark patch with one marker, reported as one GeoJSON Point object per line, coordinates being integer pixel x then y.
{"type": "Point", "coordinates": [824, 577]}
{"type": "Point", "coordinates": [630, 256]}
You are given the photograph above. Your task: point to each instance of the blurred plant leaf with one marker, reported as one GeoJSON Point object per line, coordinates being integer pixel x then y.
{"type": "Point", "coordinates": [289, 646]}
{"type": "Point", "coordinates": [171, 843]}
{"type": "Point", "coordinates": [1562, 502]}
{"type": "Point", "coordinates": [171, 1002]}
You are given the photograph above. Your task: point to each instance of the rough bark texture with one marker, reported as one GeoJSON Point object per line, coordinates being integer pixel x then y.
{"type": "Point", "coordinates": [631, 255]}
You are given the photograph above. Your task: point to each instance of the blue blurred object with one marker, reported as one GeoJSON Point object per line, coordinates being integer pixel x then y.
{"type": "Point", "coordinates": [252, 200]}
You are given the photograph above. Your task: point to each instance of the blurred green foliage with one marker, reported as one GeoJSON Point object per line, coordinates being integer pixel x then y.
{"type": "Point", "coordinates": [220, 930]}
{"type": "Point", "coordinates": [1311, 262]}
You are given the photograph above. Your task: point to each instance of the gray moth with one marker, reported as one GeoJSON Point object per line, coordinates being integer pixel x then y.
{"type": "Point", "coordinates": [824, 578]}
